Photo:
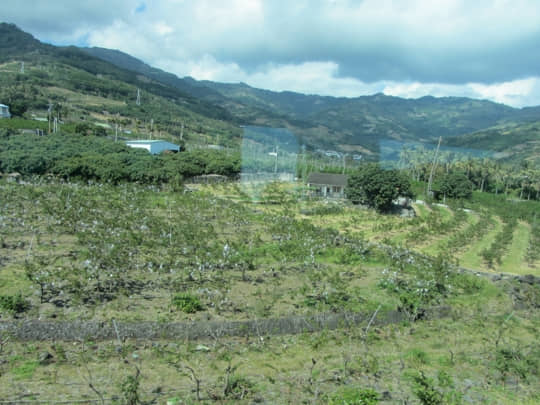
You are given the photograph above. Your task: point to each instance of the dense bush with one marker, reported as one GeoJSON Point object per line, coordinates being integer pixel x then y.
{"type": "Point", "coordinates": [377, 187]}
{"type": "Point", "coordinates": [14, 303]}
{"type": "Point", "coordinates": [455, 185]}
{"type": "Point", "coordinates": [77, 157]}
{"type": "Point", "coordinates": [187, 303]}
{"type": "Point", "coordinates": [355, 396]}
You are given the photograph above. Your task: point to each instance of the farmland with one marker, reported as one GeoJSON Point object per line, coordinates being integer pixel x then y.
{"type": "Point", "coordinates": [130, 254]}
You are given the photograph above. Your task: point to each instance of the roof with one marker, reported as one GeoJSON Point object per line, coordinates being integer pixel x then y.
{"type": "Point", "coordinates": [147, 141]}
{"type": "Point", "coordinates": [328, 179]}
{"type": "Point", "coordinates": [3, 105]}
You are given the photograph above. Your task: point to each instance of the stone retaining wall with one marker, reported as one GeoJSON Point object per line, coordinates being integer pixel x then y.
{"type": "Point", "coordinates": [35, 330]}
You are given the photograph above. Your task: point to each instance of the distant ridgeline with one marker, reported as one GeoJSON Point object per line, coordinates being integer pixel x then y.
{"type": "Point", "coordinates": [94, 90]}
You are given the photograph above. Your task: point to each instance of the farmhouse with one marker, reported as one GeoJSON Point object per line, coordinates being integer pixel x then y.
{"type": "Point", "coordinates": [153, 146]}
{"type": "Point", "coordinates": [328, 184]}
{"type": "Point", "coordinates": [4, 111]}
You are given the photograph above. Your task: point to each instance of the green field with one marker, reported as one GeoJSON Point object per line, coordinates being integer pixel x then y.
{"type": "Point", "coordinates": [135, 253]}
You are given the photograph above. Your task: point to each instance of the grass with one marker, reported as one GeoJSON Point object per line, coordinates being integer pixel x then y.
{"type": "Point", "coordinates": [25, 370]}
{"type": "Point", "coordinates": [513, 260]}
{"type": "Point", "coordinates": [282, 368]}
{"type": "Point", "coordinates": [437, 246]}
{"type": "Point", "coordinates": [305, 258]}
{"type": "Point", "coordinates": [421, 210]}
{"type": "Point", "coordinates": [472, 258]}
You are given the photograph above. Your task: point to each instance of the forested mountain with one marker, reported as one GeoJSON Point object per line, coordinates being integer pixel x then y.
{"type": "Point", "coordinates": [83, 89]}
{"type": "Point", "coordinates": [21, 46]}
{"type": "Point", "coordinates": [512, 140]}
{"type": "Point", "coordinates": [347, 124]}
{"type": "Point", "coordinates": [129, 62]}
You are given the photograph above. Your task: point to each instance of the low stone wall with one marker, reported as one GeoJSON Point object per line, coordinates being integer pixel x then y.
{"type": "Point", "coordinates": [526, 279]}
{"type": "Point", "coordinates": [35, 330]}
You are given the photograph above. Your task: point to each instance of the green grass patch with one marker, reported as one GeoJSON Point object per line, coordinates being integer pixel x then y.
{"type": "Point", "coordinates": [25, 370]}
{"type": "Point", "coordinates": [21, 123]}
{"type": "Point", "coordinates": [472, 258]}
{"type": "Point", "coordinates": [513, 260]}
{"type": "Point", "coordinates": [439, 246]}
{"type": "Point", "coordinates": [421, 210]}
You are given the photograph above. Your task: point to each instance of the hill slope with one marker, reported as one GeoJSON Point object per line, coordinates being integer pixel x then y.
{"type": "Point", "coordinates": [339, 122]}
{"type": "Point", "coordinates": [512, 140]}
{"type": "Point", "coordinates": [347, 124]}
{"type": "Point", "coordinates": [86, 86]}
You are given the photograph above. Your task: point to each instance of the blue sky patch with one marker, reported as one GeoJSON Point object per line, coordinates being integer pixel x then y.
{"type": "Point", "coordinates": [141, 8]}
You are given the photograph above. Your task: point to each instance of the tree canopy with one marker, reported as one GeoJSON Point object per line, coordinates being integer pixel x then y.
{"type": "Point", "coordinates": [455, 185]}
{"type": "Point", "coordinates": [377, 187]}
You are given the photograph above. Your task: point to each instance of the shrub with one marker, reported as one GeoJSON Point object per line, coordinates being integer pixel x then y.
{"type": "Point", "coordinates": [187, 303]}
{"type": "Point", "coordinates": [377, 187]}
{"type": "Point", "coordinates": [517, 362]}
{"type": "Point", "coordinates": [426, 391]}
{"type": "Point", "coordinates": [14, 303]}
{"type": "Point", "coordinates": [355, 396]}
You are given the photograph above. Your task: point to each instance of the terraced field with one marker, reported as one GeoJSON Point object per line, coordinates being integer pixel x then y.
{"type": "Point", "coordinates": [153, 257]}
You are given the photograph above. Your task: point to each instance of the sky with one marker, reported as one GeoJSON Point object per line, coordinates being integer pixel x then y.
{"type": "Point", "coordinates": [407, 48]}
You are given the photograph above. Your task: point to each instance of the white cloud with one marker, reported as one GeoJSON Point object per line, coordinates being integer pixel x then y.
{"type": "Point", "coordinates": [163, 29]}
{"type": "Point", "coordinates": [508, 92]}
{"type": "Point", "coordinates": [516, 93]}
{"type": "Point", "coordinates": [410, 48]}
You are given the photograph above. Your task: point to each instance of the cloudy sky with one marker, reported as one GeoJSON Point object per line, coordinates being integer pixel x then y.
{"type": "Point", "coordinates": [407, 48]}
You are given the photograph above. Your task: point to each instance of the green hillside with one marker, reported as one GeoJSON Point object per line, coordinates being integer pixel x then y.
{"type": "Point", "coordinates": [347, 124]}
{"type": "Point", "coordinates": [85, 89]}
{"type": "Point", "coordinates": [100, 85]}
{"type": "Point", "coordinates": [511, 141]}
{"type": "Point", "coordinates": [365, 120]}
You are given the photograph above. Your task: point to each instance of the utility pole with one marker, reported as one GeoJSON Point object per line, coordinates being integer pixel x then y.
{"type": "Point", "coordinates": [138, 97]}
{"type": "Point", "coordinates": [430, 181]}
{"type": "Point", "coordinates": [49, 115]}
{"type": "Point", "coordinates": [182, 131]}
{"type": "Point", "coordinates": [304, 168]}
{"type": "Point", "coordinates": [275, 164]}
{"type": "Point", "coordinates": [116, 132]}
{"type": "Point", "coordinates": [344, 162]}
{"type": "Point", "coordinates": [22, 67]}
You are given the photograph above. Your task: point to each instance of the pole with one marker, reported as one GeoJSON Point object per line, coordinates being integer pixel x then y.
{"type": "Point", "coordinates": [49, 115]}
{"type": "Point", "coordinates": [430, 181]}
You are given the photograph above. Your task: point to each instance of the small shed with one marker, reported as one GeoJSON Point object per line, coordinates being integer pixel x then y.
{"type": "Point", "coordinates": [328, 184]}
{"type": "Point", "coordinates": [4, 111]}
{"type": "Point", "coordinates": [154, 146]}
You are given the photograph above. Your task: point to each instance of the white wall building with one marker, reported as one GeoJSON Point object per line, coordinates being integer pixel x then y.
{"type": "Point", "coordinates": [154, 146]}
{"type": "Point", "coordinates": [4, 111]}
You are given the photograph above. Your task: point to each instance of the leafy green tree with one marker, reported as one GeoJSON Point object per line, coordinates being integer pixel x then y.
{"type": "Point", "coordinates": [100, 131]}
{"type": "Point", "coordinates": [377, 187]}
{"type": "Point", "coordinates": [456, 185]}
{"type": "Point", "coordinates": [82, 128]}
{"type": "Point", "coordinates": [18, 108]}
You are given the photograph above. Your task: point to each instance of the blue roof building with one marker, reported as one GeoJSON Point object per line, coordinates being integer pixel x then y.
{"type": "Point", "coordinates": [153, 146]}
{"type": "Point", "coordinates": [4, 111]}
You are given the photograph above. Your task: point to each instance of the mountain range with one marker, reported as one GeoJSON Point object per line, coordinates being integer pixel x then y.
{"type": "Point", "coordinates": [355, 125]}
